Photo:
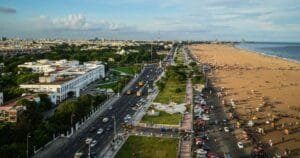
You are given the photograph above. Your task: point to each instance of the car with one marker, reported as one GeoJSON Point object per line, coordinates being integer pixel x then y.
{"type": "Point", "coordinates": [205, 118]}
{"type": "Point", "coordinates": [226, 129]}
{"type": "Point", "coordinates": [105, 119]}
{"type": "Point", "coordinates": [240, 145]}
{"type": "Point", "coordinates": [225, 121]}
{"type": "Point", "coordinates": [78, 155]}
{"type": "Point", "coordinates": [92, 129]}
{"type": "Point", "coordinates": [108, 128]}
{"type": "Point", "coordinates": [199, 142]}
{"type": "Point", "coordinates": [94, 143]}
{"type": "Point", "coordinates": [201, 152]}
{"type": "Point", "coordinates": [212, 155]}
{"type": "Point", "coordinates": [205, 137]}
{"type": "Point", "coordinates": [88, 140]}
{"type": "Point", "coordinates": [100, 131]}
{"type": "Point", "coordinates": [277, 155]}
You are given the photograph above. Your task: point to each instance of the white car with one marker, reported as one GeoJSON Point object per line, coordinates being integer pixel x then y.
{"type": "Point", "coordinates": [201, 151]}
{"type": "Point", "coordinates": [205, 118]}
{"type": "Point", "coordinates": [240, 145]}
{"type": "Point", "coordinates": [100, 131]}
{"type": "Point", "coordinates": [94, 143]}
{"type": "Point", "coordinates": [226, 129]}
{"type": "Point", "coordinates": [88, 140]}
{"type": "Point", "coordinates": [105, 119]}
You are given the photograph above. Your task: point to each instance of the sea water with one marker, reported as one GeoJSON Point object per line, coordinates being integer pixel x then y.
{"type": "Point", "coordinates": [290, 51]}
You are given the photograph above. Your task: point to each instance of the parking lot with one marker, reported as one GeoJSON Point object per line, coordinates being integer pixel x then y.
{"type": "Point", "coordinates": [214, 135]}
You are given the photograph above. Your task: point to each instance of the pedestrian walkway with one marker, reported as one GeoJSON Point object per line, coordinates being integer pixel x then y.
{"type": "Point", "coordinates": [185, 151]}
{"type": "Point", "coordinates": [187, 120]}
{"type": "Point", "coordinates": [186, 124]}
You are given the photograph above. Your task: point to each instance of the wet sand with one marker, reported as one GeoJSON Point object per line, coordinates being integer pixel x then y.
{"type": "Point", "coordinates": [254, 81]}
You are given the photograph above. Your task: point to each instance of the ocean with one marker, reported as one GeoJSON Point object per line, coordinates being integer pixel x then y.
{"type": "Point", "coordinates": [290, 51]}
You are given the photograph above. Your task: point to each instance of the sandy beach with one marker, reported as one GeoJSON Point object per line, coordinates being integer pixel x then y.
{"type": "Point", "coordinates": [262, 88]}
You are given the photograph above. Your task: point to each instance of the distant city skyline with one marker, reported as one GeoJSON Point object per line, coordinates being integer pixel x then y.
{"type": "Point", "coordinates": [253, 20]}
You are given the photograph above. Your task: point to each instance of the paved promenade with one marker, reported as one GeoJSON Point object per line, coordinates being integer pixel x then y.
{"type": "Point", "coordinates": [186, 124]}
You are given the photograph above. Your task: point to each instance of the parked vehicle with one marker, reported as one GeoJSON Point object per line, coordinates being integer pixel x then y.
{"type": "Point", "coordinates": [212, 155]}
{"type": "Point", "coordinates": [226, 129]}
{"type": "Point", "coordinates": [79, 155]}
{"type": "Point", "coordinates": [88, 140]}
{"type": "Point", "coordinates": [240, 145]}
{"type": "Point", "coordinates": [92, 129]}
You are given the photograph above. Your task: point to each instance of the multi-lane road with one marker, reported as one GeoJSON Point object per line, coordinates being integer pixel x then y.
{"type": "Point", "coordinates": [123, 106]}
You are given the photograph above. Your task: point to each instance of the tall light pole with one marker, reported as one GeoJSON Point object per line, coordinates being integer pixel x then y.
{"type": "Point", "coordinates": [89, 154]}
{"type": "Point", "coordinates": [115, 126]}
{"type": "Point", "coordinates": [151, 52]}
{"type": "Point", "coordinates": [27, 153]}
{"type": "Point", "coordinates": [72, 115]}
{"type": "Point", "coordinates": [118, 89]}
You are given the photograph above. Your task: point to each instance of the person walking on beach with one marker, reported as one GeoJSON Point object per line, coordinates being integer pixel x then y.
{"type": "Point", "coordinates": [270, 143]}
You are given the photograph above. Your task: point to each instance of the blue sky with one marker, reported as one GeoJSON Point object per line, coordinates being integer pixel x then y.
{"type": "Point", "coordinates": [258, 20]}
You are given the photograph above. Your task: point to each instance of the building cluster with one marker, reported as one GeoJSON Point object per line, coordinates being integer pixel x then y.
{"type": "Point", "coordinates": [62, 79]}
{"type": "Point", "coordinates": [59, 80]}
{"type": "Point", "coordinates": [9, 111]}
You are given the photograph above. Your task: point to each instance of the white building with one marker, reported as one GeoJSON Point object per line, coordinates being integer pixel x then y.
{"type": "Point", "coordinates": [42, 66]}
{"type": "Point", "coordinates": [1, 98]}
{"type": "Point", "coordinates": [66, 79]}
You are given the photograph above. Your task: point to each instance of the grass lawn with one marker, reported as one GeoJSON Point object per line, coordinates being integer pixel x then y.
{"type": "Point", "coordinates": [128, 69]}
{"type": "Point", "coordinates": [162, 118]}
{"type": "Point", "coordinates": [169, 93]}
{"type": "Point", "coordinates": [148, 147]}
{"type": "Point", "coordinates": [179, 57]}
{"type": "Point", "coordinates": [109, 85]}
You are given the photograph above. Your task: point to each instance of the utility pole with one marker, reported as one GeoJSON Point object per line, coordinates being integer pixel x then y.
{"type": "Point", "coordinates": [27, 152]}
{"type": "Point", "coordinates": [89, 155]}
{"type": "Point", "coordinates": [115, 126]}
{"type": "Point", "coordinates": [72, 115]}
{"type": "Point", "coordinates": [118, 89]}
{"type": "Point", "coordinates": [151, 52]}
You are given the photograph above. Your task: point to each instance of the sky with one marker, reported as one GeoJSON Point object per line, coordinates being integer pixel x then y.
{"type": "Point", "coordinates": [234, 20]}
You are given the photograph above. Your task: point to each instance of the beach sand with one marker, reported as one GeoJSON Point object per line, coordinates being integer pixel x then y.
{"type": "Point", "coordinates": [253, 81]}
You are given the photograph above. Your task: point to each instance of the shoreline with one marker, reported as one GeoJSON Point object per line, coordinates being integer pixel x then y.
{"type": "Point", "coordinates": [257, 81]}
{"type": "Point", "coordinates": [267, 55]}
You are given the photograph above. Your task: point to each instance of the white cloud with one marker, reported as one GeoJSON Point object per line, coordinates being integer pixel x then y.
{"type": "Point", "coordinates": [75, 22]}
{"type": "Point", "coordinates": [72, 21]}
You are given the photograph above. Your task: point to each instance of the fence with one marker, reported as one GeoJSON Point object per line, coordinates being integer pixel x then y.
{"type": "Point", "coordinates": [158, 125]}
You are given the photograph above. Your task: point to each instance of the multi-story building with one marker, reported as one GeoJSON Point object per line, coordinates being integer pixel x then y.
{"type": "Point", "coordinates": [10, 111]}
{"type": "Point", "coordinates": [63, 79]}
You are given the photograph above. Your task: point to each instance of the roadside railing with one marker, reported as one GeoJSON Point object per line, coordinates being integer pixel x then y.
{"type": "Point", "coordinates": [85, 121]}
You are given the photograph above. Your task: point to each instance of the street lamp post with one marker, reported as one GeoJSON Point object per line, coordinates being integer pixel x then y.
{"type": "Point", "coordinates": [72, 115]}
{"type": "Point", "coordinates": [27, 152]}
{"type": "Point", "coordinates": [115, 126]}
{"type": "Point", "coordinates": [89, 155]}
